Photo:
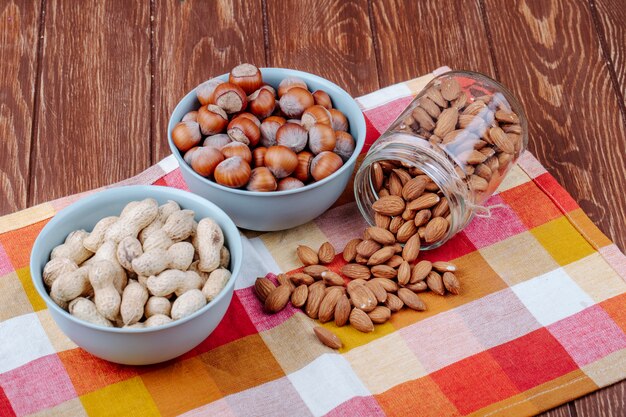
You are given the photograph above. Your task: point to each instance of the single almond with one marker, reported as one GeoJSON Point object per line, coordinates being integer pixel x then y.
{"type": "Point", "coordinates": [356, 271]}
{"type": "Point", "coordinates": [408, 214]}
{"type": "Point", "coordinates": [395, 185]}
{"type": "Point", "coordinates": [442, 266]}
{"type": "Point", "coordinates": [411, 248]}
{"type": "Point", "coordinates": [263, 287]}
{"type": "Point", "coordinates": [301, 278]}
{"type": "Point", "coordinates": [435, 283]}
{"type": "Point", "coordinates": [435, 229]}
{"type": "Point", "coordinates": [380, 314]}
{"type": "Point", "coordinates": [450, 89]}
{"type": "Point", "coordinates": [505, 116]}
{"type": "Point", "coordinates": [383, 271]}
{"type": "Point", "coordinates": [419, 286]}
{"type": "Point", "coordinates": [394, 303]}
{"type": "Point", "coordinates": [426, 200]}
{"type": "Point", "coordinates": [349, 251]}
{"type": "Point", "coordinates": [327, 337]}
{"type": "Point", "coordinates": [395, 224]}
{"type": "Point", "coordinates": [451, 283]}
{"type": "Point", "coordinates": [284, 279]}
{"type": "Point", "coordinates": [420, 271]}
{"type": "Point", "coordinates": [326, 253]}
{"type": "Point", "coordinates": [377, 289]}
{"type": "Point", "coordinates": [299, 295]}
{"type": "Point", "coordinates": [422, 217]}
{"type": "Point", "coordinates": [446, 121]}
{"type": "Point", "coordinates": [394, 261]}
{"type": "Point", "coordinates": [404, 273]}
{"type": "Point", "coordinates": [316, 295]}
{"type": "Point", "coordinates": [307, 255]}
{"type": "Point", "coordinates": [361, 321]}
{"type": "Point", "coordinates": [414, 188]}
{"type": "Point", "coordinates": [362, 297]}
{"type": "Point", "coordinates": [342, 310]}
{"type": "Point", "coordinates": [403, 175]}
{"type": "Point", "coordinates": [380, 235]}
{"type": "Point", "coordinates": [411, 300]}
{"type": "Point", "coordinates": [442, 208]}
{"type": "Point", "coordinates": [388, 284]}
{"type": "Point", "coordinates": [391, 205]}
{"type": "Point", "coordinates": [367, 248]}
{"type": "Point", "coordinates": [407, 230]}
{"type": "Point", "coordinates": [501, 140]}
{"type": "Point", "coordinates": [423, 118]}
{"type": "Point", "coordinates": [326, 310]}
{"type": "Point", "coordinates": [381, 255]}
{"type": "Point", "coordinates": [332, 278]}
{"type": "Point", "coordinates": [315, 270]}
{"type": "Point", "coordinates": [377, 176]}
{"type": "Point", "coordinates": [383, 221]}
{"type": "Point", "coordinates": [277, 299]}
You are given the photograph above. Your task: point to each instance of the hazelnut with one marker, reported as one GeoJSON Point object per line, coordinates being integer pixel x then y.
{"type": "Point", "coordinates": [186, 135]}
{"type": "Point", "coordinates": [192, 116]}
{"type": "Point", "coordinates": [244, 130]}
{"type": "Point", "coordinates": [269, 88]}
{"type": "Point", "coordinates": [321, 138]}
{"type": "Point", "coordinates": [258, 156]}
{"type": "Point", "coordinates": [250, 116]}
{"type": "Point", "coordinates": [295, 101]}
{"type": "Point", "coordinates": [303, 170]}
{"type": "Point", "coordinates": [246, 76]}
{"type": "Point", "coordinates": [237, 149]}
{"type": "Point", "coordinates": [344, 145]}
{"type": "Point", "coordinates": [212, 119]}
{"type": "Point", "coordinates": [290, 82]}
{"type": "Point", "coordinates": [325, 164]}
{"type": "Point", "coordinates": [281, 161]}
{"type": "Point", "coordinates": [338, 120]}
{"type": "Point", "coordinates": [315, 114]}
{"type": "Point", "coordinates": [188, 157]}
{"type": "Point", "coordinates": [261, 179]}
{"type": "Point", "coordinates": [269, 127]}
{"type": "Point", "coordinates": [261, 103]}
{"type": "Point", "coordinates": [230, 97]}
{"type": "Point", "coordinates": [289, 183]}
{"type": "Point", "coordinates": [205, 91]}
{"type": "Point", "coordinates": [322, 98]}
{"type": "Point", "coordinates": [292, 136]}
{"type": "Point", "coordinates": [217, 141]}
{"type": "Point", "coordinates": [232, 172]}
{"type": "Point", "coordinates": [205, 160]}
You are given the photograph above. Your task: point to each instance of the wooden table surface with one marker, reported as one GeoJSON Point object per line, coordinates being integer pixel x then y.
{"type": "Point", "coordinates": [87, 86]}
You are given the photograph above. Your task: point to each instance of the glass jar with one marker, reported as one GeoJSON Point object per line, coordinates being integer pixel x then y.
{"type": "Point", "coordinates": [455, 142]}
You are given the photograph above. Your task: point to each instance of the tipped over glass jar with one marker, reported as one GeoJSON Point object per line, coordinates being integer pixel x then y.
{"type": "Point", "coordinates": [442, 158]}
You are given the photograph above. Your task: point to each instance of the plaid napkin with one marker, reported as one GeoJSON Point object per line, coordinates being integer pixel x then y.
{"type": "Point", "coordinates": [540, 321]}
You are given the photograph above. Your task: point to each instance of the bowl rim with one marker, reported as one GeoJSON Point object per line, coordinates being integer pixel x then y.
{"type": "Point", "coordinates": [291, 72]}
{"type": "Point", "coordinates": [143, 190]}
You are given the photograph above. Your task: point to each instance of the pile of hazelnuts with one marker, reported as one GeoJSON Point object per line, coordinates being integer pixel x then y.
{"type": "Point", "coordinates": [248, 134]}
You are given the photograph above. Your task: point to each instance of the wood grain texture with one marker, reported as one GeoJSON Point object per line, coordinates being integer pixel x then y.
{"type": "Point", "coordinates": [94, 100]}
{"type": "Point", "coordinates": [19, 29]}
{"type": "Point", "coordinates": [416, 37]}
{"type": "Point", "coordinates": [549, 54]}
{"type": "Point", "coordinates": [195, 41]}
{"type": "Point", "coordinates": [562, 411]}
{"type": "Point", "coordinates": [611, 16]}
{"type": "Point", "coordinates": [608, 402]}
{"type": "Point", "coordinates": [328, 38]}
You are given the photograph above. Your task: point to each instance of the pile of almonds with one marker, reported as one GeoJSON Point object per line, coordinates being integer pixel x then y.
{"type": "Point", "coordinates": [379, 279]}
{"type": "Point", "coordinates": [260, 138]}
{"type": "Point", "coordinates": [480, 133]}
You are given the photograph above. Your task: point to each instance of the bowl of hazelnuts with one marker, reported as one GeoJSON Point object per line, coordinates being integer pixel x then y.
{"type": "Point", "coordinates": [274, 148]}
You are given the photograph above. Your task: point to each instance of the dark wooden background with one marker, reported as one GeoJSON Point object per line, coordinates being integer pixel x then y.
{"type": "Point", "coordinates": [87, 86]}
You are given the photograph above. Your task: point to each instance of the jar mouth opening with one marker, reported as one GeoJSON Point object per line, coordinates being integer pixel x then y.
{"type": "Point", "coordinates": [419, 153]}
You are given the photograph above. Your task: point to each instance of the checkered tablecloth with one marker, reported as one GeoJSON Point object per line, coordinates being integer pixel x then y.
{"type": "Point", "coordinates": [540, 321]}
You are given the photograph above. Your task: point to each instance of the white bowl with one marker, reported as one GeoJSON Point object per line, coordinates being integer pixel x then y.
{"type": "Point", "coordinates": [277, 210]}
{"type": "Point", "coordinates": [135, 346]}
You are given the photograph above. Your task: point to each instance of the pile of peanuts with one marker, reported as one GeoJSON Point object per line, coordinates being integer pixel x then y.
{"type": "Point", "coordinates": [260, 138]}
{"type": "Point", "coordinates": [149, 266]}
{"type": "Point", "coordinates": [380, 278]}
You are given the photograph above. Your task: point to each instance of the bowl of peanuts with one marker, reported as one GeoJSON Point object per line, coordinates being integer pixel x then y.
{"type": "Point", "coordinates": [273, 147]}
{"type": "Point", "coordinates": [139, 274]}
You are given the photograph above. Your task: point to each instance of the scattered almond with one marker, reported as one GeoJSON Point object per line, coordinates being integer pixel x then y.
{"type": "Point", "coordinates": [332, 278]}
{"type": "Point", "coordinates": [316, 295]}
{"type": "Point", "coordinates": [277, 299]}
{"type": "Point", "coordinates": [326, 253]}
{"type": "Point", "coordinates": [307, 255]}
{"type": "Point", "coordinates": [377, 289]}
{"type": "Point", "coordinates": [342, 311]}
{"type": "Point", "coordinates": [356, 271]}
{"type": "Point", "coordinates": [327, 337]}
{"type": "Point", "coordinates": [362, 297]}
{"type": "Point", "coordinates": [381, 255]}
{"type": "Point", "coordinates": [263, 287]}
{"type": "Point", "coordinates": [349, 252]}
{"type": "Point", "coordinates": [394, 303]}
{"type": "Point", "coordinates": [451, 283]}
{"type": "Point", "coordinates": [315, 271]}
{"type": "Point", "coordinates": [380, 314]}
{"type": "Point", "coordinates": [442, 266]}
{"type": "Point", "coordinates": [411, 248]}
{"type": "Point", "coordinates": [327, 306]}
{"type": "Point", "coordinates": [391, 205]}
{"type": "Point", "coordinates": [411, 300]}
{"type": "Point", "coordinates": [435, 229]}
{"type": "Point", "coordinates": [367, 248]}
{"type": "Point", "coordinates": [302, 278]}
{"type": "Point", "coordinates": [299, 295]}
{"type": "Point", "coordinates": [420, 271]}
{"type": "Point", "coordinates": [435, 283]}
{"type": "Point", "coordinates": [404, 273]}
{"type": "Point", "coordinates": [361, 321]}
{"type": "Point", "coordinates": [380, 235]}
{"type": "Point", "coordinates": [383, 271]}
